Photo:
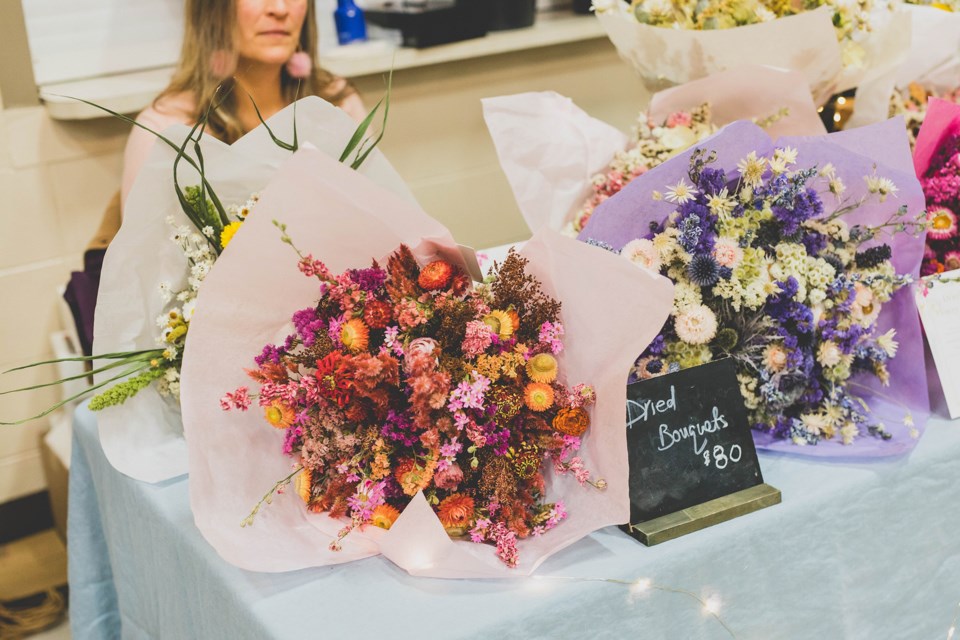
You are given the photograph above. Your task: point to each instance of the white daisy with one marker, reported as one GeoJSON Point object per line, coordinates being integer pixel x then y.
{"type": "Point", "coordinates": [680, 192]}
{"type": "Point", "coordinates": [787, 154]}
{"type": "Point", "coordinates": [837, 187]}
{"type": "Point", "coordinates": [882, 186]}
{"type": "Point", "coordinates": [720, 204]}
{"type": "Point", "coordinates": [752, 168]}
{"type": "Point", "coordinates": [888, 344]}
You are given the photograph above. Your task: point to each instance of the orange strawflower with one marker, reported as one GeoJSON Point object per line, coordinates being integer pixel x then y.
{"type": "Point", "coordinates": [514, 319]}
{"type": "Point", "coordinates": [435, 275]}
{"type": "Point", "coordinates": [538, 396]}
{"type": "Point", "coordinates": [303, 484]}
{"type": "Point", "coordinates": [542, 368]}
{"type": "Point", "coordinates": [412, 477]}
{"type": "Point", "coordinates": [456, 513]}
{"type": "Point", "coordinates": [355, 335]}
{"type": "Point", "coordinates": [572, 422]}
{"type": "Point", "coordinates": [279, 415]}
{"type": "Point", "coordinates": [384, 516]}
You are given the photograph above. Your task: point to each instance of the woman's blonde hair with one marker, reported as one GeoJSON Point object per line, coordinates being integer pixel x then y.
{"type": "Point", "coordinates": [209, 53]}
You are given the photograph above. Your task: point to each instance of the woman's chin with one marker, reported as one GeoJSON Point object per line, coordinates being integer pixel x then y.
{"type": "Point", "coordinates": [272, 56]}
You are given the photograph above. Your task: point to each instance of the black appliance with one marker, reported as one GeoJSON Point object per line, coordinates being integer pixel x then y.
{"type": "Point", "coordinates": [425, 23]}
{"type": "Point", "coordinates": [582, 6]}
{"type": "Point", "coordinates": [512, 14]}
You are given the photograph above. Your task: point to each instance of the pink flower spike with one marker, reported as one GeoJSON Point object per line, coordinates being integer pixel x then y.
{"type": "Point", "coordinates": [239, 399]}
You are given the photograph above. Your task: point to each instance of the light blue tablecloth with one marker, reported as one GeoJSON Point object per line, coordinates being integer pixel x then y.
{"type": "Point", "coordinates": [861, 550]}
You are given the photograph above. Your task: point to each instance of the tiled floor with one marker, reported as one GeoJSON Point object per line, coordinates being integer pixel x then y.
{"type": "Point", "coordinates": [32, 565]}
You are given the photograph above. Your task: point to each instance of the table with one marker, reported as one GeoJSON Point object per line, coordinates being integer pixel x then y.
{"type": "Point", "coordinates": [856, 550]}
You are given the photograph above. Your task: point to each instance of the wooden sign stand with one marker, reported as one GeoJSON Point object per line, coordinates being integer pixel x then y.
{"type": "Point", "coordinates": [707, 514]}
{"type": "Point", "coordinates": [693, 463]}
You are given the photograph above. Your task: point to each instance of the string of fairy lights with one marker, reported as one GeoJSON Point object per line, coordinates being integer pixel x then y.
{"type": "Point", "coordinates": [953, 624]}
{"type": "Point", "coordinates": [709, 606]}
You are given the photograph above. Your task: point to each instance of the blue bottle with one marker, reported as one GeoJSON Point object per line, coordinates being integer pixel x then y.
{"type": "Point", "coordinates": [351, 26]}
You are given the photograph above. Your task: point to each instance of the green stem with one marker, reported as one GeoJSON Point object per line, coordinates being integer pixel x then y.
{"type": "Point", "coordinates": [268, 497]}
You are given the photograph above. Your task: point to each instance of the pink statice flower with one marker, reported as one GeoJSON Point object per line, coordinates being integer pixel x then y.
{"type": "Point", "coordinates": [311, 268]}
{"type": "Point", "coordinates": [557, 514]}
{"type": "Point", "coordinates": [409, 315]}
{"type": "Point", "coordinates": [239, 399]}
{"type": "Point", "coordinates": [551, 334]}
{"type": "Point", "coordinates": [679, 119]}
{"type": "Point", "coordinates": [480, 529]}
{"type": "Point", "coordinates": [506, 544]}
{"type": "Point", "coordinates": [477, 338]}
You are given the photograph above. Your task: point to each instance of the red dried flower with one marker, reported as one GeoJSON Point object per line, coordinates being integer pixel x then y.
{"type": "Point", "coordinates": [435, 275]}
{"type": "Point", "coordinates": [461, 283]}
{"type": "Point", "coordinates": [356, 412]}
{"type": "Point", "coordinates": [377, 314]}
{"type": "Point", "coordinates": [334, 379]}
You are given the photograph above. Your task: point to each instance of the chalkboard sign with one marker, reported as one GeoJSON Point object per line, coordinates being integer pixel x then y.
{"type": "Point", "coordinates": [688, 442]}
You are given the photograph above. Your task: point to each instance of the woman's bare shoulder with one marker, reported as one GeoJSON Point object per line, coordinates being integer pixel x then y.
{"type": "Point", "coordinates": [169, 109]}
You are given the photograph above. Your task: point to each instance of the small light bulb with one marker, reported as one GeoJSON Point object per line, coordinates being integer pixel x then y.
{"type": "Point", "coordinates": [712, 605]}
{"type": "Point", "coordinates": [841, 100]}
{"type": "Point", "coordinates": [537, 584]}
{"type": "Point", "coordinates": [640, 585]}
{"type": "Point", "coordinates": [836, 117]}
{"type": "Point", "coordinates": [819, 109]}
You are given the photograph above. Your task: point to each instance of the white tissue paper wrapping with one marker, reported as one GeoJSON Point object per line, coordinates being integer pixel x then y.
{"type": "Point", "coordinates": [927, 40]}
{"type": "Point", "coordinates": [805, 42]}
{"type": "Point", "coordinates": [143, 438]}
{"type": "Point", "coordinates": [665, 57]}
{"type": "Point", "coordinates": [550, 149]}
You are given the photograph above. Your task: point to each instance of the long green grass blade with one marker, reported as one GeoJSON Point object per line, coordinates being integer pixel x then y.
{"type": "Point", "coordinates": [296, 98]}
{"type": "Point", "coordinates": [106, 356]}
{"type": "Point", "coordinates": [76, 396]}
{"type": "Point", "coordinates": [277, 141]}
{"type": "Point", "coordinates": [85, 374]}
{"type": "Point", "coordinates": [361, 157]}
{"type": "Point", "coordinates": [360, 132]}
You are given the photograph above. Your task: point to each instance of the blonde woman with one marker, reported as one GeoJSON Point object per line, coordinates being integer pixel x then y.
{"type": "Point", "coordinates": [265, 47]}
{"type": "Point", "coordinates": [262, 47]}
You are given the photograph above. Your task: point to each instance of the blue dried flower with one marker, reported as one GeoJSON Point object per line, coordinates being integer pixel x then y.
{"type": "Point", "coordinates": [703, 270]}
{"type": "Point", "coordinates": [600, 243]}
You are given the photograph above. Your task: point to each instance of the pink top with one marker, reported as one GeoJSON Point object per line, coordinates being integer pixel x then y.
{"type": "Point", "coordinates": [178, 109]}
